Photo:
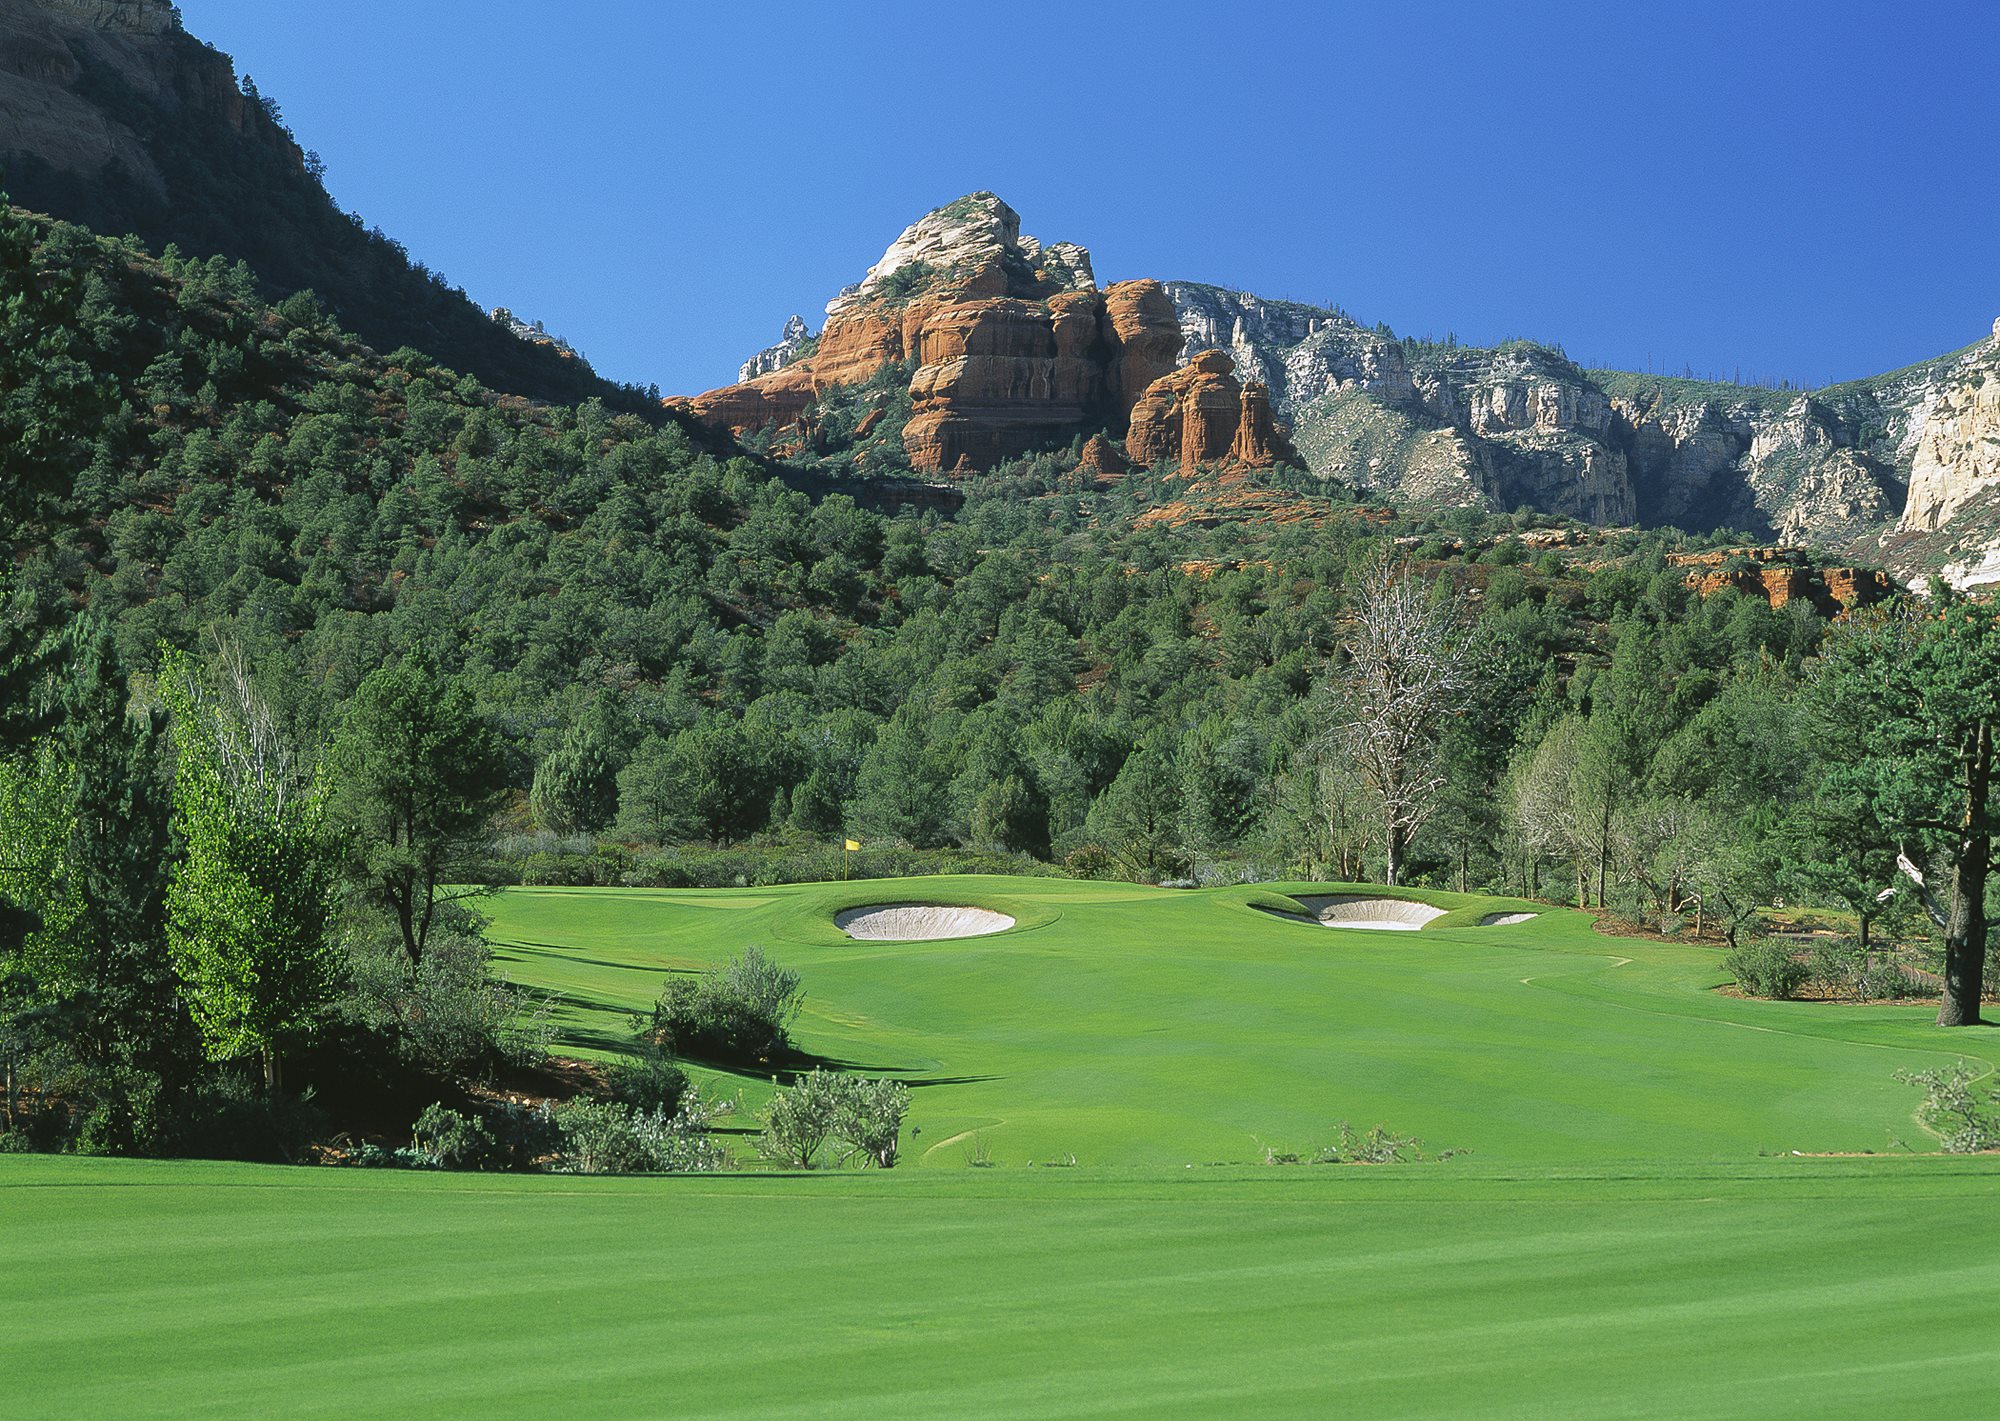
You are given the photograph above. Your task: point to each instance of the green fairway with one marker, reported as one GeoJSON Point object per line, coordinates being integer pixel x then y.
{"type": "Point", "coordinates": [1631, 1236]}
{"type": "Point", "coordinates": [1772, 1288]}
{"type": "Point", "coordinates": [1130, 1025]}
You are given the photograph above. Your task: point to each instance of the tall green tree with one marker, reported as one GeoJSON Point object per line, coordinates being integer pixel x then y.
{"type": "Point", "coordinates": [251, 902]}
{"type": "Point", "coordinates": [417, 774]}
{"type": "Point", "coordinates": [1914, 702]}
{"type": "Point", "coordinates": [1138, 818]}
{"type": "Point", "coordinates": [575, 790]}
{"type": "Point", "coordinates": [115, 969]}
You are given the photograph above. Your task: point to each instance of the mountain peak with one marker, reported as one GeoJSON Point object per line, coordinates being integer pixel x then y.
{"type": "Point", "coordinates": [961, 237]}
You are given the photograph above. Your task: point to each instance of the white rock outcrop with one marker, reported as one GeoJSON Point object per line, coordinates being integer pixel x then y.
{"type": "Point", "coordinates": [796, 338]}
{"type": "Point", "coordinates": [1957, 451]}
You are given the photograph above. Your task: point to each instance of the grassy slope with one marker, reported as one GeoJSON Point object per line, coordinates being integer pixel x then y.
{"type": "Point", "coordinates": [1144, 1026]}
{"type": "Point", "coordinates": [1770, 1288]}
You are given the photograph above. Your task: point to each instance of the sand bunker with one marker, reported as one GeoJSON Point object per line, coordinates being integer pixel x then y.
{"type": "Point", "coordinates": [1504, 920]}
{"type": "Point", "coordinates": [1345, 910]}
{"type": "Point", "coordinates": [918, 922]}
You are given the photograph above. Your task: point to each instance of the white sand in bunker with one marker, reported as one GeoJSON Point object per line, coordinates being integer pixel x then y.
{"type": "Point", "coordinates": [1506, 920]}
{"type": "Point", "coordinates": [1346, 910]}
{"type": "Point", "coordinates": [919, 922]}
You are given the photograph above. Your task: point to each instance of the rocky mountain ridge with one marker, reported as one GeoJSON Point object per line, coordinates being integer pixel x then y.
{"type": "Point", "coordinates": [1521, 424]}
{"type": "Point", "coordinates": [1863, 467]}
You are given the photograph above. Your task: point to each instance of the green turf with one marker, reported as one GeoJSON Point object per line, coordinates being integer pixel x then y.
{"type": "Point", "coordinates": [1130, 1025]}
{"type": "Point", "coordinates": [1631, 1235]}
{"type": "Point", "coordinates": [1772, 1288]}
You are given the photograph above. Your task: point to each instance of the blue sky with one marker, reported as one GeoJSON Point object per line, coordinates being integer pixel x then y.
{"type": "Point", "coordinates": [1792, 189]}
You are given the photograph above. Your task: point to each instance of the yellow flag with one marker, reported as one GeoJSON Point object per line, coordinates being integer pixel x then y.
{"type": "Point", "coordinates": [852, 843]}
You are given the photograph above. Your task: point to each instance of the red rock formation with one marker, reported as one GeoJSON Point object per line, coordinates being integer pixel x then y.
{"type": "Point", "coordinates": [1831, 590]}
{"type": "Point", "coordinates": [1144, 335]}
{"type": "Point", "coordinates": [1014, 348]}
{"type": "Point", "coordinates": [856, 344]}
{"type": "Point", "coordinates": [773, 400]}
{"type": "Point", "coordinates": [1200, 415]}
{"type": "Point", "coordinates": [1259, 442]}
{"type": "Point", "coordinates": [1102, 461]}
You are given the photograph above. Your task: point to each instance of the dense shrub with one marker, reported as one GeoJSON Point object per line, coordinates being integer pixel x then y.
{"type": "Point", "coordinates": [449, 1015]}
{"type": "Point", "coordinates": [444, 1139]}
{"type": "Point", "coordinates": [1767, 969]}
{"type": "Point", "coordinates": [1841, 969]}
{"type": "Point", "coordinates": [229, 1116]}
{"type": "Point", "coordinates": [605, 1137]}
{"type": "Point", "coordinates": [647, 1081]}
{"type": "Point", "coordinates": [865, 1116]}
{"type": "Point", "coordinates": [740, 1012]}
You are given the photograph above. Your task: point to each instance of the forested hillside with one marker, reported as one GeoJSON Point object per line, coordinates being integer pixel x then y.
{"type": "Point", "coordinates": [1037, 675]}
{"type": "Point", "coordinates": [115, 117]}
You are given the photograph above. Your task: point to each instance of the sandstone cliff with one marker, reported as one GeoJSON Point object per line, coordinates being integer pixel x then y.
{"type": "Point", "coordinates": [1007, 343]}
{"type": "Point", "coordinates": [1202, 415]}
{"type": "Point", "coordinates": [1780, 575]}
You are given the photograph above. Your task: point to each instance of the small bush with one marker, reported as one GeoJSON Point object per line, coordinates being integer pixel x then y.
{"type": "Point", "coordinates": [598, 1138]}
{"type": "Point", "coordinates": [1764, 968]}
{"type": "Point", "coordinates": [648, 1081]}
{"type": "Point", "coordinates": [604, 1137]}
{"type": "Point", "coordinates": [740, 1013]}
{"type": "Point", "coordinates": [800, 1120]}
{"type": "Point", "coordinates": [445, 1139]}
{"type": "Point", "coordinates": [865, 1116]}
{"type": "Point", "coordinates": [1961, 1106]}
{"type": "Point", "coordinates": [869, 1120]}
{"type": "Point", "coordinates": [1377, 1145]}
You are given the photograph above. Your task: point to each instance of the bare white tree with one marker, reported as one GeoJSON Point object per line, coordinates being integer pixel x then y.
{"type": "Point", "coordinates": [1547, 806]}
{"type": "Point", "coordinates": [1408, 672]}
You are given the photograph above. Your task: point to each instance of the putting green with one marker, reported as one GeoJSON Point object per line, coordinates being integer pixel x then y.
{"type": "Point", "coordinates": [1770, 1288]}
{"type": "Point", "coordinates": [1130, 1025]}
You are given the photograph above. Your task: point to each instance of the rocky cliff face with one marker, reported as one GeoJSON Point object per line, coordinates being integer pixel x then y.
{"type": "Point", "coordinates": [1523, 425]}
{"type": "Point", "coordinates": [1957, 444]}
{"type": "Point", "coordinates": [1008, 342]}
{"type": "Point", "coordinates": [1007, 345]}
